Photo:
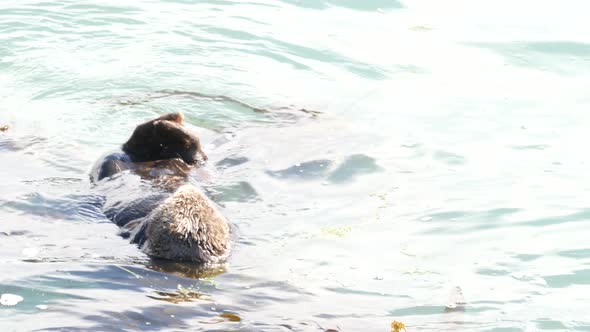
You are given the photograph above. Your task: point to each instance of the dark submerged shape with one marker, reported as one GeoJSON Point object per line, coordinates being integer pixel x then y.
{"type": "Point", "coordinates": [153, 202]}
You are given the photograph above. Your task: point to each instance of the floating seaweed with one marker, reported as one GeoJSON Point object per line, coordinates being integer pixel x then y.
{"type": "Point", "coordinates": [181, 295]}
{"type": "Point", "coordinates": [421, 28]}
{"type": "Point", "coordinates": [397, 326]}
{"type": "Point", "coordinates": [230, 317]}
{"type": "Point", "coordinates": [223, 317]}
{"type": "Point", "coordinates": [337, 231]}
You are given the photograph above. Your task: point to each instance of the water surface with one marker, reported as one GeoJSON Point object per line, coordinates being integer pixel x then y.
{"type": "Point", "coordinates": [443, 183]}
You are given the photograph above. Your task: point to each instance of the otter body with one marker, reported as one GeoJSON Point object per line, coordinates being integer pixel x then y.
{"type": "Point", "coordinates": [148, 195]}
{"type": "Point", "coordinates": [184, 226]}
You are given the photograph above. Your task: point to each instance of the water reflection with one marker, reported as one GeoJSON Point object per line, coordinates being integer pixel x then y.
{"type": "Point", "coordinates": [185, 269]}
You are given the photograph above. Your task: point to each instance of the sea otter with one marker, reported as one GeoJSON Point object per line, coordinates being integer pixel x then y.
{"type": "Point", "coordinates": [163, 138]}
{"type": "Point", "coordinates": [148, 194]}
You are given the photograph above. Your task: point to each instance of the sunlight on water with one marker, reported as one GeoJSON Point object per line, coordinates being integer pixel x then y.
{"type": "Point", "coordinates": [378, 160]}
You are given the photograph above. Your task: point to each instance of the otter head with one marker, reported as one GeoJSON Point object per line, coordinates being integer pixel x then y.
{"type": "Point", "coordinates": [164, 138]}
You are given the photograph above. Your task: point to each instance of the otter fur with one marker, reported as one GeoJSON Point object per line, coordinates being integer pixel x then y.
{"type": "Point", "coordinates": [185, 226]}
{"type": "Point", "coordinates": [163, 138]}
{"type": "Point", "coordinates": [148, 194]}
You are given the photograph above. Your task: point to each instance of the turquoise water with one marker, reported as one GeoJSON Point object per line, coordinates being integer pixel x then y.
{"type": "Point", "coordinates": [443, 183]}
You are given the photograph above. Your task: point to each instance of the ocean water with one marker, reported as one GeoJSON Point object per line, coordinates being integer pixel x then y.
{"type": "Point", "coordinates": [416, 161]}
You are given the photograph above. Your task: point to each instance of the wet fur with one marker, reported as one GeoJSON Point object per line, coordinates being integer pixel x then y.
{"type": "Point", "coordinates": [185, 226]}
{"type": "Point", "coordinates": [152, 200]}
{"type": "Point", "coordinates": [163, 138]}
